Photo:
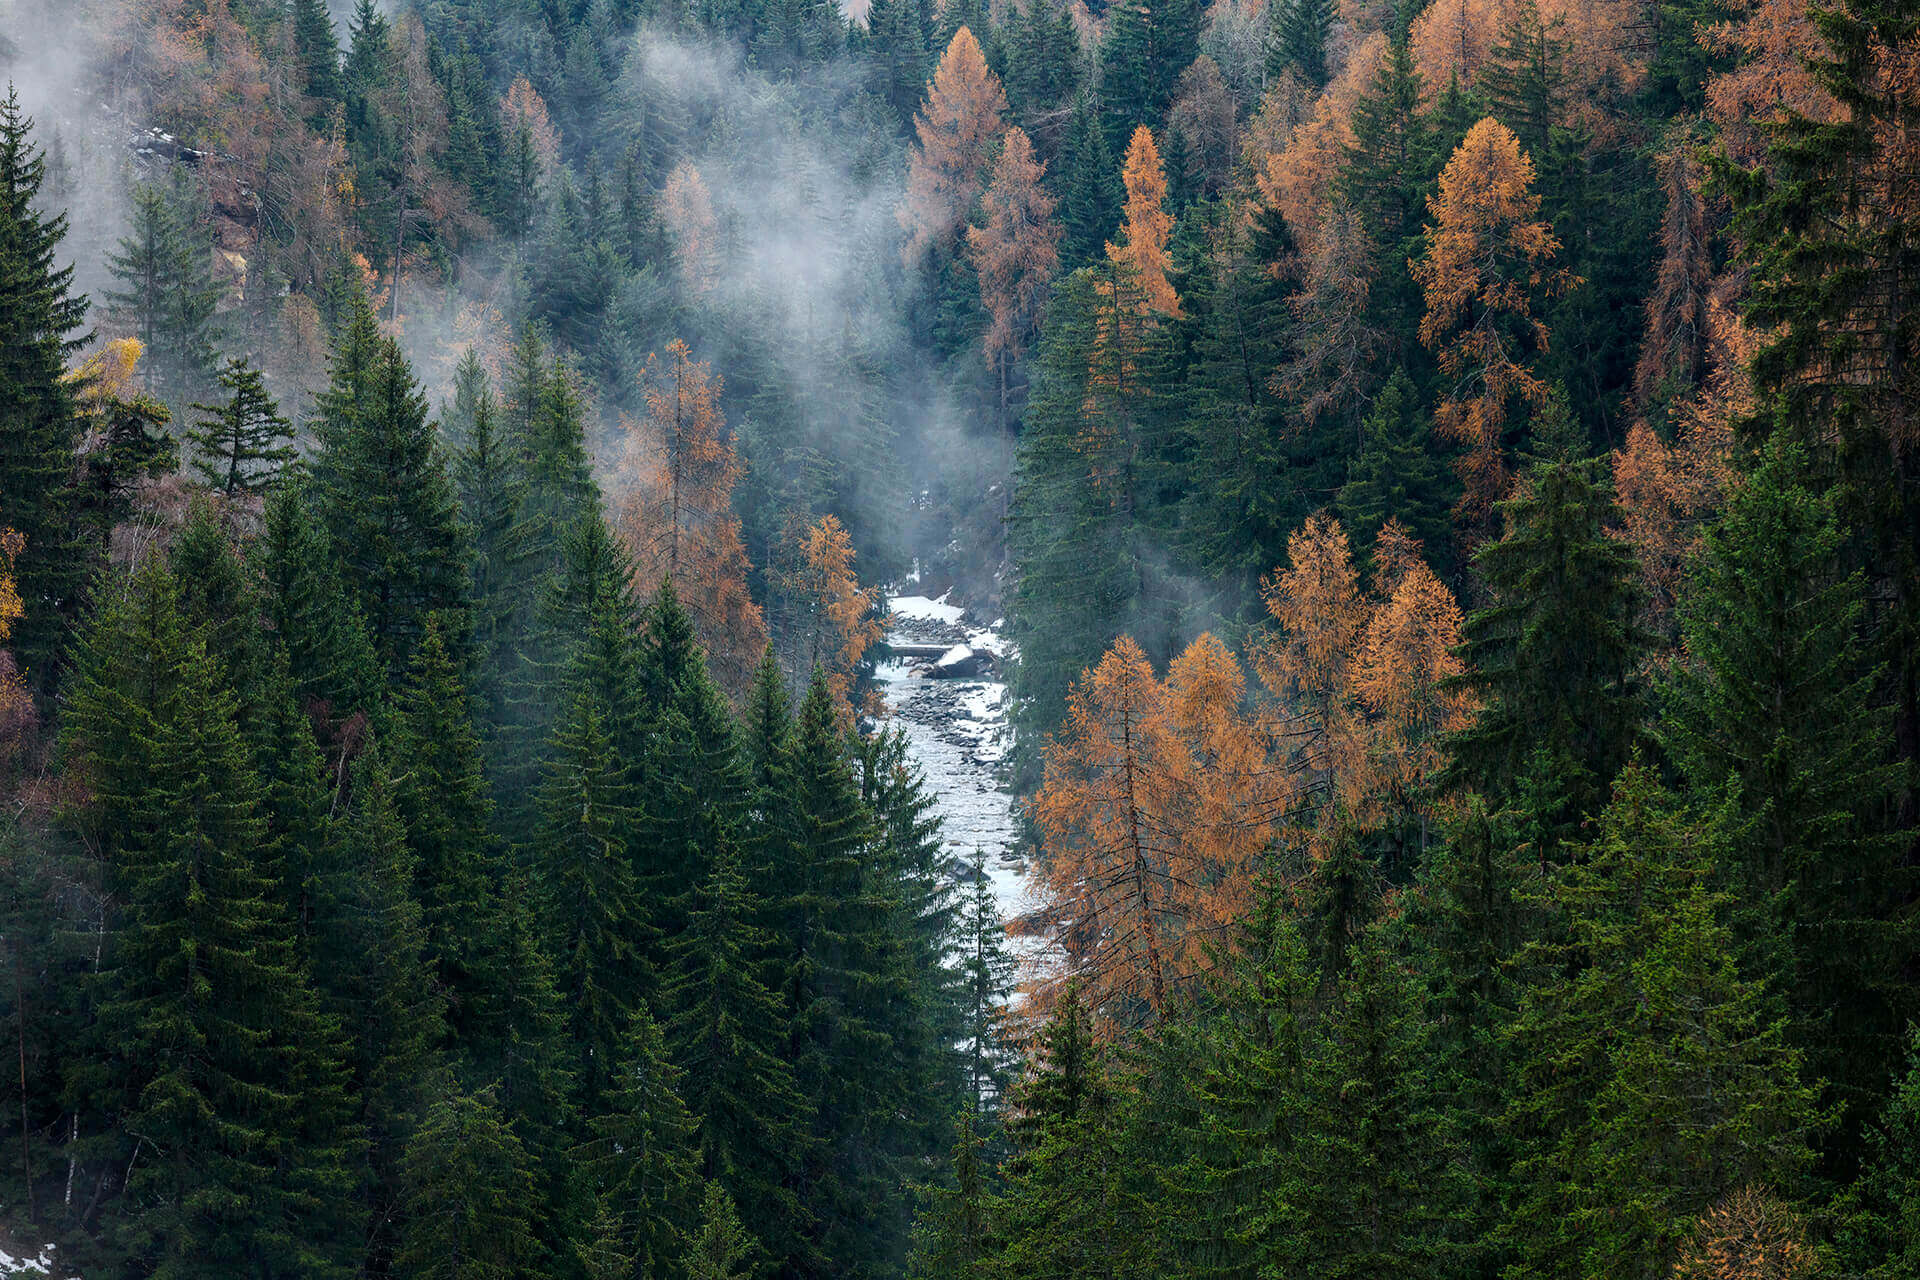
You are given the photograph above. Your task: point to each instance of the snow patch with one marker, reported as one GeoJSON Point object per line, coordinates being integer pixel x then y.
{"type": "Point", "coordinates": [36, 1266]}
{"type": "Point", "coordinates": [922, 609]}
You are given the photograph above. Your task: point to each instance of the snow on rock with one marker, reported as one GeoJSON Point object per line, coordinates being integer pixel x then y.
{"type": "Point", "coordinates": [41, 1265]}
{"type": "Point", "coordinates": [920, 608]}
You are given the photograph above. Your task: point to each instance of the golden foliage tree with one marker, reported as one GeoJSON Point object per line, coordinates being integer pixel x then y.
{"type": "Point", "coordinates": [1130, 897]}
{"type": "Point", "coordinates": [823, 618]}
{"type": "Point", "coordinates": [1360, 680]}
{"type": "Point", "coordinates": [1751, 1235]}
{"type": "Point", "coordinates": [16, 703]}
{"type": "Point", "coordinates": [686, 209]}
{"type": "Point", "coordinates": [1489, 259]}
{"type": "Point", "coordinates": [1015, 253]}
{"type": "Point", "coordinates": [1674, 353]}
{"type": "Point", "coordinates": [1159, 796]}
{"type": "Point", "coordinates": [1142, 247]}
{"type": "Point", "coordinates": [676, 515]}
{"type": "Point", "coordinates": [957, 128]}
{"type": "Point", "coordinates": [523, 108]}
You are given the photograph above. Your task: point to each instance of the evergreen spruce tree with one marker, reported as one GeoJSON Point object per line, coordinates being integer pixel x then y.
{"type": "Point", "coordinates": [1249, 1084]}
{"type": "Point", "coordinates": [953, 1235]}
{"type": "Point", "coordinates": [729, 1034]}
{"type": "Point", "coordinates": [854, 1008]}
{"type": "Point", "coordinates": [490, 480]}
{"type": "Point", "coordinates": [167, 298]}
{"type": "Point", "coordinates": [39, 327]}
{"type": "Point", "coordinates": [209, 1045]}
{"type": "Point", "coordinates": [1554, 657]}
{"type": "Point", "coordinates": [1091, 194]}
{"type": "Point", "coordinates": [459, 864]}
{"type": "Point", "coordinates": [375, 978]}
{"type": "Point", "coordinates": [1398, 475]}
{"type": "Point", "coordinates": [590, 907]}
{"type": "Point", "coordinates": [723, 1249]}
{"type": "Point", "coordinates": [1247, 476]}
{"type": "Point", "coordinates": [1300, 30]}
{"type": "Point", "coordinates": [1649, 1078]}
{"type": "Point", "coordinates": [241, 446]}
{"type": "Point", "coordinates": [383, 491]}
{"type": "Point", "coordinates": [1777, 701]}
{"type": "Point", "coordinates": [696, 781]}
{"type": "Point", "coordinates": [129, 441]}
{"type": "Point", "coordinates": [641, 1154]}
{"type": "Point", "coordinates": [986, 983]}
{"type": "Point", "coordinates": [319, 51]}
{"type": "Point", "coordinates": [1148, 44]}
{"type": "Point", "coordinates": [1376, 1187]}
{"type": "Point", "coordinates": [316, 624]}
{"type": "Point", "coordinates": [1879, 1216]}
{"type": "Point", "coordinates": [469, 1207]}
{"type": "Point", "coordinates": [1060, 1211]}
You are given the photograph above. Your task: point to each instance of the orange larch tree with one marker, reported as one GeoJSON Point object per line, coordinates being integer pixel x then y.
{"type": "Point", "coordinates": [1015, 254]}
{"type": "Point", "coordinates": [1673, 355]}
{"type": "Point", "coordinates": [1142, 247]}
{"type": "Point", "coordinates": [523, 108]}
{"type": "Point", "coordinates": [686, 210]}
{"type": "Point", "coordinates": [1122, 886]}
{"type": "Point", "coordinates": [957, 128]}
{"type": "Point", "coordinates": [676, 513]}
{"type": "Point", "coordinates": [823, 618]}
{"type": "Point", "coordinates": [1489, 260]}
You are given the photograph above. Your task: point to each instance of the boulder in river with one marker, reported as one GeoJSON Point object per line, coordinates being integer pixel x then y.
{"type": "Point", "coordinates": [962, 662]}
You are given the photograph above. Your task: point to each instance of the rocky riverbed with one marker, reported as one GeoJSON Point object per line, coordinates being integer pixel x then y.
{"type": "Point", "coordinates": [957, 730]}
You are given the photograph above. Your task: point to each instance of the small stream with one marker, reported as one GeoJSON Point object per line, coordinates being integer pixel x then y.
{"type": "Point", "coordinates": [958, 733]}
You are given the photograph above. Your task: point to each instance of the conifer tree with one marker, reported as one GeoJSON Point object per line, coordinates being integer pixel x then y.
{"type": "Point", "coordinates": [1148, 44]}
{"type": "Point", "coordinates": [1300, 30]}
{"type": "Point", "coordinates": [319, 52]}
{"type": "Point", "coordinates": [695, 780]}
{"type": "Point", "coordinates": [1090, 189]}
{"type": "Point", "coordinates": [1826, 239]}
{"type": "Point", "coordinates": [1879, 1216]}
{"type": "Point", "coordinates": [383, 491]}
{"type": "Point", "coordinates": [1375, 1187]}
{"type": "Point", "coordinates": [641, 1153]}
{"type": "Point", "coordinates": [853, 1005]}
{"type": "Point", "coordinates": [1389, 165]}
{"type": "Point", "coordinates": [723, 1249]}
{"type": "Point", "coordinates": [1249, 1084]}
{"type": "Point", "coordinates": [167, 298]}
{"type": "Point", "coordinates": [1250, 474]}
{"type": "Point", "coordinates": [1489, 256]}
{"type": "Point", "coordinates": [1776, 702]}
{"type": "Point", "coordinates": [1141, 250]}
{"type": "Point", "coordinates": [1060, 1211]}
{"type": "Point", "coordinates": [39, 326]}
{"type": "Point", "coordinates": [1650, 1079]}
{"type": "Point", "coordinates": [953, 1235]}
{"type": "Point", "coordinates": [469, 1194]}
{"type": "Point", "coordinates": [730, 1035]}
{"type": "Point", "coordinates": [957, 128]}
{"type": "Point", "coordinates": [1397, 475]}
{"type": "Point", "coordinates": [126, 438]}
{"type": "Point", "coordinates": [208, 1044]}
{"type": "Point", "coordinates": [493, 495]}
{"type": "Point", "coordinates": [316, 624]}
{"type": "Point", "coordinates": [241, 446]}
{"type": "Point", "coordinates": [1554, 657]}
{"type": "Point", "coordinates": [1014, 255]}
{"type": "Point", "coordinates": [587, 885]}
{"type": "Point", "coordinates": [458, 862]}
{"type": "Point", "coordinates": [376, 980]}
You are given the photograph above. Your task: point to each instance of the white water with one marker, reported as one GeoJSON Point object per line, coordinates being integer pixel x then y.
{"type": "Point", "coordinates": [958, 734]}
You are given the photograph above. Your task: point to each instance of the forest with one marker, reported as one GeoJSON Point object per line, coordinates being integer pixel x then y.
{"type": "Point", "coordinates": [1449, 472]}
